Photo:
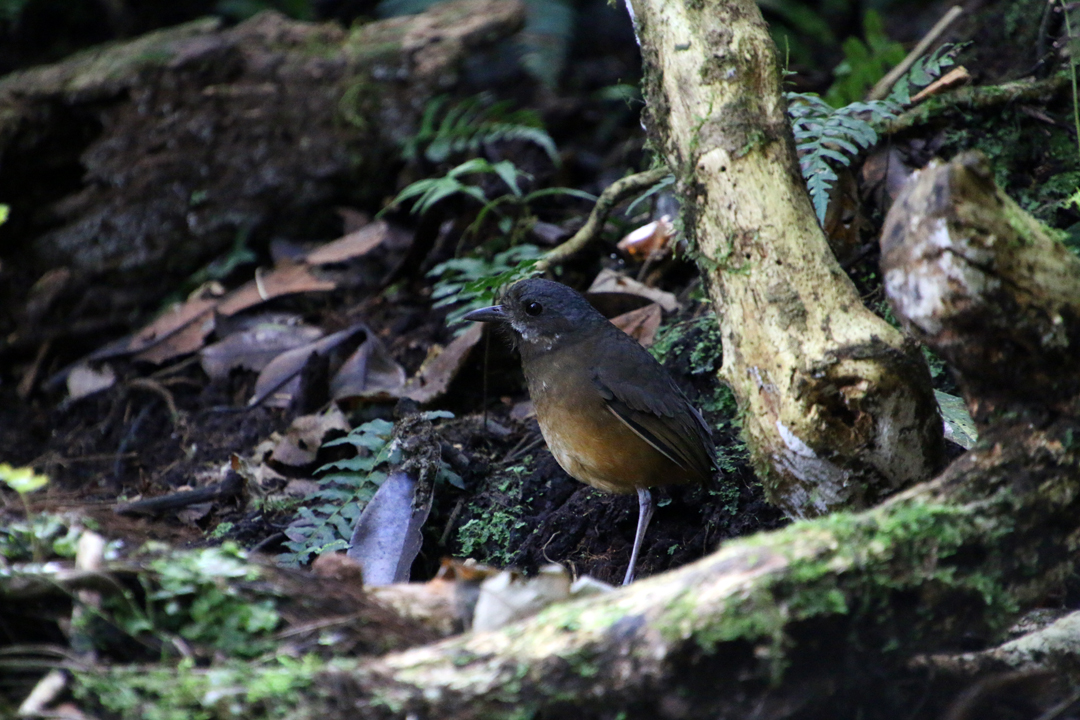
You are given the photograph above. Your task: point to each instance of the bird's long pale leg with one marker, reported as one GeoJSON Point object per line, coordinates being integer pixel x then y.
{"type": "Point", "coordinates": [645, 510]}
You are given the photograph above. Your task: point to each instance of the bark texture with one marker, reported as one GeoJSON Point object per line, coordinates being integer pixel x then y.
{"type": "Point", "coordinates": [975, 264]}
{"type": "Point", "coordinates": [838, 410]}
{"type": "Point", "coordinates": [823, 618]}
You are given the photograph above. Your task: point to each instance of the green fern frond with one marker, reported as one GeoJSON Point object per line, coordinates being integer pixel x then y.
{"type": "Point", "coordinates": [471, 282]}
{"type": "Point", "coordinates": [427, 192]}
{"type": "Point", "coordinates": [466, 127]}
{"type": "Point", "coordinates": [326, 520]}
{"type": "Point", "coordinates": [925, 70]}
{"type": "Point", "coordinates": [828, 138]}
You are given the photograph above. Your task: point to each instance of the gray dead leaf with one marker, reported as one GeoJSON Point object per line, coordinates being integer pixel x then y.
{"type": "Point", "coordinates": [279, 379]}
{"type": "Point", "coordinates": [435, 375]}
{"type": "Point", "coordinates": [368, 373]}
{"type": "Point", "coordinates": [255, 348]}
{"type": "Point", "coordinates": [387, 536]}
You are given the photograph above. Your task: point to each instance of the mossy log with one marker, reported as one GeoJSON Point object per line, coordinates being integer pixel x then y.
{"type": "Point", "coordinates": [963, 261]}
{"type": "Point", "coordinates": [134, 164]}
{"type": "Point", "coordinates": [823, 618]}
{"type": "Point", "coordinates": [837, 407]}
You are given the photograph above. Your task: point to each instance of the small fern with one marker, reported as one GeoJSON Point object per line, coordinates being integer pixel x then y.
{"type": "Point", "coordinates": [925, 70]}
{"type": "Point", "coordinates": [828, 137]}
{"type": "Point", "coordinates": [825, 135]}
{"type": "Point", "coordinates": [326, 524]}
{"type": "Point", "coordinates": [425, 193]}
{"type": "Point", "coordinates": [473, 282]}
{"type": "Point", "coordinates": [466, 127]}
{"type": "Point", "coordinates": [864, 63]}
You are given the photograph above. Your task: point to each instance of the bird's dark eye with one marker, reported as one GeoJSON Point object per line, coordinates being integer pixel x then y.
{"type": "Point", "coordinates": [533, 308]}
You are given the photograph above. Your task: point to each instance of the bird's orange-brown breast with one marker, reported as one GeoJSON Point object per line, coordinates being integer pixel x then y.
{"type": "Point", "coordinates": [587, 439]}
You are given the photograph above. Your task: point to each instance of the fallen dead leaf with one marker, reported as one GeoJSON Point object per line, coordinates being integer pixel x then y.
{"type": "Point", "coordinates": [611, 281]}
{"type": "Point", "coordinates": [280, 378]}
{"type": "Point", "coordinates": [369, 373]}
{"type": "Point", "coordinates": [641, 324]}
{"type": "Point", "coordinates": [353, 245]}
{"type": "Point", "coordinates": [170, 322]}
{"type": "Point", "coordinates": [287, 280]}
{"type": "Point", "coordinates": [44, 293]}
{"type": "Point", "coordinates": [884, 173]}
{"type": "Point", "coordinates": [185, 341]}
{"type": "Point", "coordinates": [85, 380]}
{"type": "Point", "coordinates": [300, 444]}
{"type": "Point", "coordinates": [648, 240]}
{"type": "Point", "coordinates": [435, 375]}
{"type": "Point", "coordinates": [254, 348]}
{"type": "Point", "coordinates": [387, 536]}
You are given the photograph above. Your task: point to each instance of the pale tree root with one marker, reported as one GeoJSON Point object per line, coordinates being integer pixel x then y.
{"type": "Point", "coordinates": [613, 195]}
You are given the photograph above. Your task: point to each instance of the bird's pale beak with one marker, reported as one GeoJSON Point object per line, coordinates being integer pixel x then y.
{"type": "Point", "coordinates": [495, 313]}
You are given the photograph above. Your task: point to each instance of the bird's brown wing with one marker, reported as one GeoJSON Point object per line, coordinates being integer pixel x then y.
{"type": "Point", "coordinates": [639, 392]}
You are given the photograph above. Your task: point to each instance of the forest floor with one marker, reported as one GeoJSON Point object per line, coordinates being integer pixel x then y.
{"type": "Point", "coordinates": [159, 427]}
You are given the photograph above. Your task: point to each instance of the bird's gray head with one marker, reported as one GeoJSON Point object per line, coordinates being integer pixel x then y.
{"type": "Point", "coordinates": [542, 313]}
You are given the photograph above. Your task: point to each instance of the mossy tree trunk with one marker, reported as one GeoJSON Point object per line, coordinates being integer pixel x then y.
{"type": "Point", "coordinates": [837, 406]}
{"type": "Point", "coordinates": [822, 619]}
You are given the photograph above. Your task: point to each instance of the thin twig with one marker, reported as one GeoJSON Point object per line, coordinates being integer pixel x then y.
{"type": "Point", "coordinates": [156, 387]}
{"type": "Point", "coordinates": [450, 523]}
{"type": "Point", "coordinates": [232, 486]}
{"type": "Point", "coordinates": [267, 542]}
{"type": "Point", "coordinates": [612, 196]}
{"type": "Point", "coordinates": [885, 84]}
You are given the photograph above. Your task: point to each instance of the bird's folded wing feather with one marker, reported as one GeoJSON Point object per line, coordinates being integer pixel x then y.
{"type": "Point", "coordinates": [653, 407]}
